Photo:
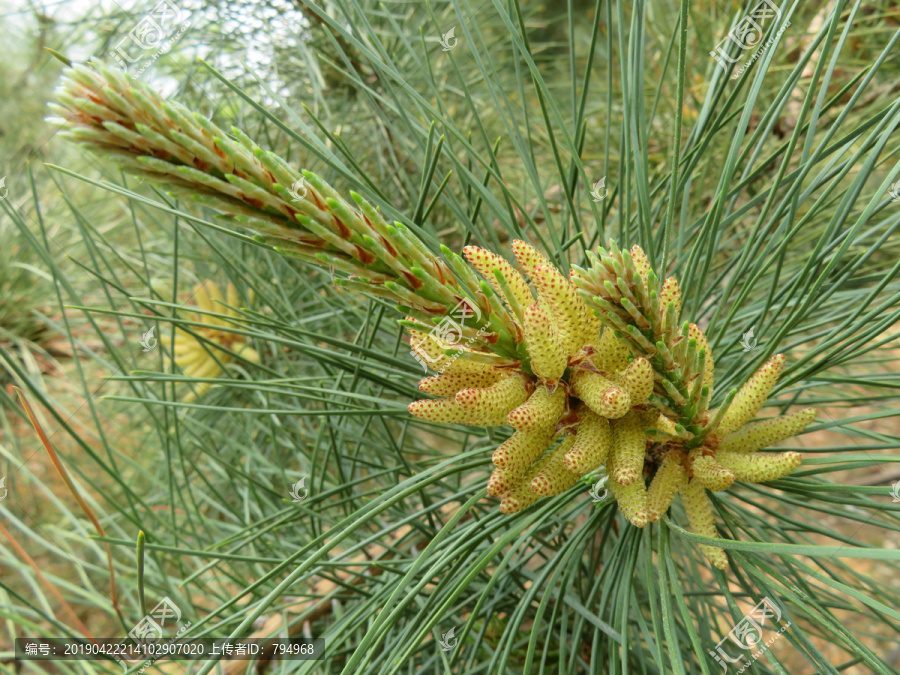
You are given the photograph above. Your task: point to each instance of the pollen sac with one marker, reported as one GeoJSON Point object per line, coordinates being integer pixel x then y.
{"type": "Point", "coordinates": [545, 346]}
{"type": "Point", "coordinates": [760, 468]}
{"type": "Point", "coordinates": [521, 450]}
{"type": "Point", "coordinates": [758, 435]}
{"type": "Point", "coordinates": [604, 397]}
{"type": "Point", "coordinates": [700, 516]}
{"type": "Point", "coordinates": [486, 262]}
{"type": "Point", "coordinates": [448, 384]}
{"type": "Point", "coordinates": [593, 440]}
{"type": "Point", "coordinates": [540, 411]}
{"type": "Point", "coordinates": [491, 405]}
{"type": "Point", "coordinates": [665, 485]}
{"type": "Point", "coordinates": [671, 292]}
{"type": "Point", "coordinates": [628, 450]}
{"type": "Point", "coordinates": [752, 395]}
{"type": "Point", "coordinates": [708, 472]}
{"type": "Point", "coordinates": [553, 478]}
{"type": "Point", "coordinates": [562, 302]}
{"type": "Point", "coordinates": [637, 380]}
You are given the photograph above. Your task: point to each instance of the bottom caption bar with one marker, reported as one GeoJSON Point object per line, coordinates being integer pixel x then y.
{"type": "Point", "coordinates": [176, 649]}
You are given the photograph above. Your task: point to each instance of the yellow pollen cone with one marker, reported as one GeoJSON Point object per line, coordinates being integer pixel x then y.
{"type": "Point", "coordinates": [521, 450]}
{"type": "Point", "coordinates": [553, 478]}
{"type": "Point", "coordinates": [528, 256]}
{"type": "Point", "coordinates": [611, 354]}
{"type": "Point", "coordinates": [760, 467]}
{"type": "Point", "coordinates": [563, 303]}
{"type": "Point", "coordinates": [448, 384]}
{"type": "Point", "coordinates": [752, 395]}
{"type": "Point", "coordinates": [593, 441]}
{"type": "Point", "coordinates": [601, 395]}
{"type": "Point", "coordinates": [637, 380]}
{"type": "Point", "coordinates": [485, 262]}
{"type": "Point", "coordinates": [708, 472]}
{"type": "Point", "coordinates": [545, 347]}
{"type": "Point", "coordinates": [670, 292]}
{"type": "Point", "coordinates": [702, 343]}
{"type": "Point", "coordinates": [631, 498]}
{"type": "Point", "coordinates": [665, 485]}
{"type": "Point", "coordinates": [541, 411]}
{"type": "Point", "coordinates": [489, 406]}
{"type": "Point", "coordinates": [700, 516]}
{"type": "Point", "coordinates": [629, 445]}
{"type": "Point", "coordinates": [764, 434]}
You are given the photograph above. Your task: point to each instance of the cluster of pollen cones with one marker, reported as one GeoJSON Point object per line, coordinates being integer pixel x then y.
{"type": "Point", "coordinates": [583, 402]}
{"type": "Point", "coordinates": [592, 371]}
